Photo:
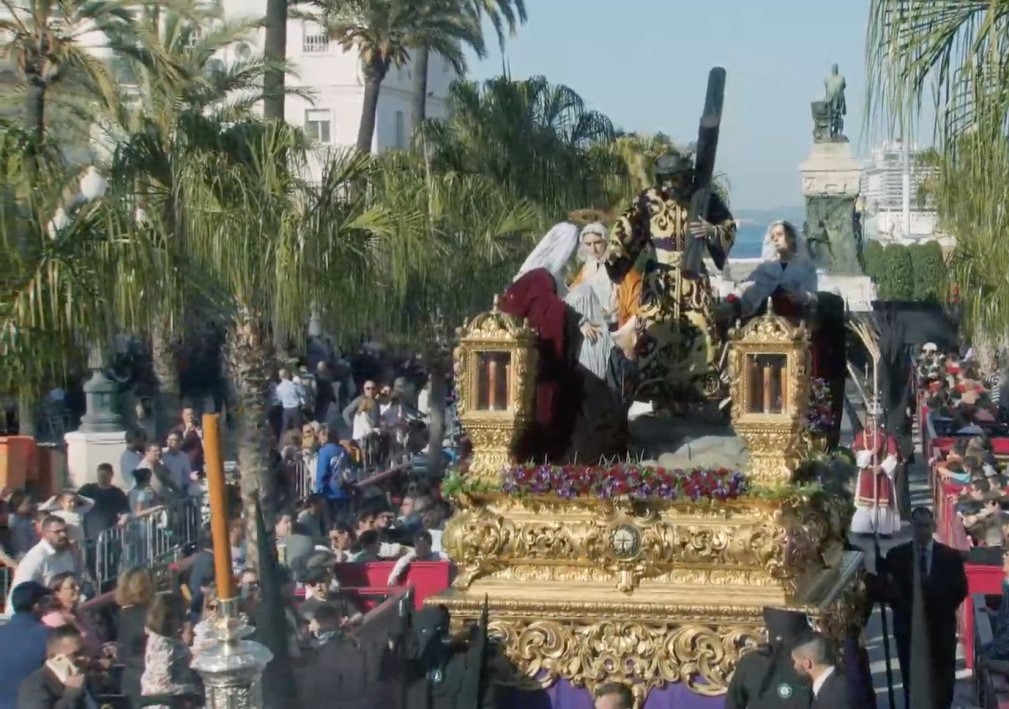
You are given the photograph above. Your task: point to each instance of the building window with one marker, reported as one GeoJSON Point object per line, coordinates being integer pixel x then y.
{"type": "Point", "coordinates": [400, 130]}
{"type": "Point", "coordinates": [317, 125]}
{"type": "Point", "coordinates": [314, 39]}
{"type": "Point", "coordinates": [243, 51]}
{"type": "Point", "coordinates": [194, 37]}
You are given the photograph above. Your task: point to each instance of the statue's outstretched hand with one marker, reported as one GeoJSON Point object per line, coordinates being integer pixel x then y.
{"type": "Point", "coordinates": [701, 228]}
{"type": "Point", "coordinates": [591, 332]}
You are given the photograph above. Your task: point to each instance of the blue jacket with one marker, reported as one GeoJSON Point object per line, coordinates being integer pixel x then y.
{"type": "Point", "coordinates": [332, 462]}
{"type": "Point", "coordinates": [22, 652]}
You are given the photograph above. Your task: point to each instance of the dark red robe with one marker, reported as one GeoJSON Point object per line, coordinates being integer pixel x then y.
{"type": "Point", "coordinates": [534, 298]}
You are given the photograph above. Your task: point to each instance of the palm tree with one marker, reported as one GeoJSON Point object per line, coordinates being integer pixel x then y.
{"type": "Point", "coordinates": [275, 51]}
{"type": "Point", "coordinates": [66, 280]}
{"type": "Point", "coordinates": [260, 241]}
{"type": "Point", "coordinates": [168, 113]}
{"type": "Point", "coordinates": [531, 137]}
{"type": "Point", "coordinates": [502, 13]}
{"type": "Point", "coordinates": [467, 225]}
{"type": "Point", "coordinates": [955, 50]}
{"type": "Point", "coordinates": [382, 33]}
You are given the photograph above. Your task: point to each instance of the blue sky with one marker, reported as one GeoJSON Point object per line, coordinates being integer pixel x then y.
{"type": "Point", "coordinates": [644, 63]}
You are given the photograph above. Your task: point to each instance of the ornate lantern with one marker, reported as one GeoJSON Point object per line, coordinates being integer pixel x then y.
{"type": "Point", "coordinates": [769, 370]}
{"type": "Point", "coordinates": [495, 368]}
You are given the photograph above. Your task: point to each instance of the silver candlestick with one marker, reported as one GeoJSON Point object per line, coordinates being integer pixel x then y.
{"type": "Point", "coordinates": [232, 669]}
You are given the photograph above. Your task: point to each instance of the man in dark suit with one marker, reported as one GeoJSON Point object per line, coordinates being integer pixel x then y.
{"type": "Point", "coordinates": [813, 659]}
{"type": "Point", "coordinates": [766, 678]}
{"type": "Point", "coordinates": [944, 588]}
{"type": "Point", "coordinates": [59, 683]}
{"type": "Point", "coordinates": [22, 639]}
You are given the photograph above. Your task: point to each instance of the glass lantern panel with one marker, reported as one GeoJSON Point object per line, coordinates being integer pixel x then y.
{"type": "Point", "coordinates": [767, 383]}
{"type": "Point", "coordinates": [493, 376]}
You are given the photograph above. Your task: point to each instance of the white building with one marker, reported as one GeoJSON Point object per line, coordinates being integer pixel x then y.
{"type": "Point", "coordinates": [882, 190]}
{"type": "Point", "coordinates": [333, 80]}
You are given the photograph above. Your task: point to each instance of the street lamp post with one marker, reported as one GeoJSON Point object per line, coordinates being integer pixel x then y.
{"type": "Point", "coordinates": [99, 391]}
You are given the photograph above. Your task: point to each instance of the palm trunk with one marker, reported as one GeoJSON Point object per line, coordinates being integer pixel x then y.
{"type": "Point", "coordinates": [275, 53]}
{"type": "Point", "coordinates": [374, 73]}
{"type": "Point", "coordinates": [419, 113]}
{"type": "Point", "coordinates": [166, 375]}
{"type": "Point", "coordinates": [26, 411]}
{"type": "Point", "coordinates": [35, 109]}
{"type": "Point", "coordinates": [249, 358]}
{"type": "Point", "coordinates": [436, 408]}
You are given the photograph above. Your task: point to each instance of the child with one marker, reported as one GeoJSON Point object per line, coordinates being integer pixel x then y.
{"type": "Point", "coordinates": [71, 508]}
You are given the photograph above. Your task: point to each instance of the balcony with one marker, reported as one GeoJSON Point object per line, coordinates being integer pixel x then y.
{"type": "Point", "coordinates": [315, 44]}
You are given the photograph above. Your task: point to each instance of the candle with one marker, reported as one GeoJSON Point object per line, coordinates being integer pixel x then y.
{"type": "Point", "coordinates": [507, 384]}
{"type": "Point", "coordinates": [784, 388]}
{"type": "Point", "coordinates": [214, 467]}
{"type": "Point", "coordinates": [492, 384]}
{"type": "Point", "coordinates": [768, 400]}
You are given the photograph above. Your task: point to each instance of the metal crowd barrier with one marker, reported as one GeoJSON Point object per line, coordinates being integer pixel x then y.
{"type": "Point", "coordinates": [153, 538]}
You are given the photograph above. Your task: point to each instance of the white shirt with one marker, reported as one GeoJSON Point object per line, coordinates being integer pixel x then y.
{"type": "Point", "coordinates": [290, 395]}
{"type": "Point", "coordinates": [818, 682]}
{"type": "Point", "coordinates": [128, 462]}
{"type": "Point", "coordinates": [42, 563]}
{"type": "Point", "coordinates": [362, 426]}
{"type": "Point", "coordinates": [400, 568]}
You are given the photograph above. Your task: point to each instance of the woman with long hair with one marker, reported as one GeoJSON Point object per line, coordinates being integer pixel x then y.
{"type": "Point", "coordinates": [134, 595]}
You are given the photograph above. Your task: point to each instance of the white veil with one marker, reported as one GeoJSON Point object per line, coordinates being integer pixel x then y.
{"type": "Point", "coordinates": [768, 252]}
{"type": "Point", "coordinates": [553, 252]}
{"type": "Point", "coordinates": [593, 228]}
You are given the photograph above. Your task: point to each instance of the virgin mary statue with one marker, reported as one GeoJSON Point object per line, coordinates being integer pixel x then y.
{"type": "Point", "coordinates": [787, 276]}
{"type": "Point", "coordinates": [572, 417]}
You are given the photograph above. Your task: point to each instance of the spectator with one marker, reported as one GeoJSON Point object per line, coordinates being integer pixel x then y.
{"type": "Point", "coordinates": [341, 543]}
{"type": "Point", "coordinates": [613, 695]}
{"type": "Point", "coordinates": [134, 595]}
{"type": "Point", "coordinates": [239, 549]}
{"type": "Point", "coordinates": [370, 543]}
{"type": "Point", "coordinates": [59, 683]}
{"type": "Point", "coordinates": [53, 555]}
{"type": "Point", "coordinates": [392, 546]}
{"type": "Point", "coordinates": [292, 545]}
{"type": "Point", "coordinates": [22, 524]}
{"type": "Point", "coordinates": [332, 474]}
{"type": "Point", "coordinates": [421, 552]}
{"type": "Point", "coordinates": [142, 497]}
{"type": "Point", "coordinates": [177, 463]}
{"type": "Point", "coordinates": [192, 439]}
{"type": "Point", "coordinates": [325, 391]}
{"type": "Point", "coordinates": [136, 444]}
{"type": "Point", "coordinates": [66, 590]}
{"type": "Point", "coordinates": [167, 675]}
{"type": "Point", "coordinates": [201, 574]}
{"type": "Point", "coordinates": [71, 508]}
{"type": "Point", "coordinates": [22, 639]}
{"type": "Point", "coordinates": [292, 398]}
{"type": "Point", "coordinates": [313, 517]}
{"type": "Point", "coordinates": [325, 592]}
{"type": "Point", "coordinates": [369, 391]}
{"type": "Point", "coordinates": [161, 479]}
{"type": "Point", "coordinates": [111, 505]}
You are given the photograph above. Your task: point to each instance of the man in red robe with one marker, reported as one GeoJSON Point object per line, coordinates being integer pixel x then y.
{"type": "Point", "coordinates": [877, 455]}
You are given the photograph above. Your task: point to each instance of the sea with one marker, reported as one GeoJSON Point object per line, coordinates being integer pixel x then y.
{"type": "Point", "coordinates": [749, 240]}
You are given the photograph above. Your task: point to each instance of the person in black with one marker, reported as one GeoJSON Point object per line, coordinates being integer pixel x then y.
{"type": "Point", "coordinates": [944, 586]}
{"type": "Point", "coordinates": [814, 660]}
{"type": "Point", "coordinates": [766, 678]}
{"type": "Point", "coordinates": [111, 507]}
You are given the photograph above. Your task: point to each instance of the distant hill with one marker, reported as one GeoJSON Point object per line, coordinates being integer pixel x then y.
{"type": "Point", "coordinates": [763, 217]}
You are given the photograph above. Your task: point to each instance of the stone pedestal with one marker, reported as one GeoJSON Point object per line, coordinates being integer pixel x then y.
{"type": "Point", "coordinates": [86, 450]}
{"type": "Point", "coordinates": [830, 184]}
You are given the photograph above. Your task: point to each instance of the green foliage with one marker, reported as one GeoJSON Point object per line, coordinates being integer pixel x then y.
{"type": "Point", "coordinates": [916, 272]}
{"type": "Point", "coordinates": [929, 270]}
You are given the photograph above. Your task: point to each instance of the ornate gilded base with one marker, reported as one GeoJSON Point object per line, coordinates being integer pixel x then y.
{"type": "Point", "coordinates": [651, 592]}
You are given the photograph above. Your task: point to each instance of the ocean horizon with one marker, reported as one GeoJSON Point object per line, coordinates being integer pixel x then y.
{"type": "Point", "coordinates": [749, 241]}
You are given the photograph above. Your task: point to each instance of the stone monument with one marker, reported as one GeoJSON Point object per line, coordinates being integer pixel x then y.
{"type": "Point", "coordinates": [830, 185]}
{"type": "Point", "coordinates": [102, 435]}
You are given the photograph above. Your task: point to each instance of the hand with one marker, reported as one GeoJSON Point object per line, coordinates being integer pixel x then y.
{"type": "Point", "coordinates": [187, 633]}
{"type": "Point", "coordinates": [110, 650]}
{"type": "Point", "coordinates": [313, 626]}
{"type": "Point", "coordinates": [74, 681]}
{"type": "Point", "coordinates": [701, 229]}
{"type": "Point", "coordinates": [123, 519]}
{"type": "Point", "coordinates": [591, 332]}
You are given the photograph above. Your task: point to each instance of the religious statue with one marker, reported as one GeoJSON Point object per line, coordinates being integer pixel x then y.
{"type": "Point", "coordinates": [580, 413]}
{"type": "Point", "coordinates": [678, 348]}
{"type": "Point", "coordinates": [786, 276]}
{"type": "Point", "coordinates": [835, 85]}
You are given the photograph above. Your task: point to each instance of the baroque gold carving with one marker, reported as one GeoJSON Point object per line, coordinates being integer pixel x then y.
{"type": "Point", "coordinates": [621, 544]}
{"type": "Point", "coordinates": [775, 440]}
{"type": "Point", "coordinates": [493, 432]}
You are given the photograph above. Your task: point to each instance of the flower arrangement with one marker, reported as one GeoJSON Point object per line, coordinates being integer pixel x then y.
{"type": "Point", "coordinates": [820, 414]}
{"type": "Point", "coordinates": [631, 480]}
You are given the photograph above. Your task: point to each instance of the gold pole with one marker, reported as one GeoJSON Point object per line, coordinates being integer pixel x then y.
{"type": "Point", "coordinates": [218, 507]}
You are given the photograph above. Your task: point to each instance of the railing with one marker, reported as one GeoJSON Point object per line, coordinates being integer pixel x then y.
{"type": "Point", "coordinates": [302, 480]}
{"type": "Point", "coordinates": [984, 688]}
{"type": "Point", "coordinates": [146, 540]}
{"type": "Point", "coordinates": [315, 44]}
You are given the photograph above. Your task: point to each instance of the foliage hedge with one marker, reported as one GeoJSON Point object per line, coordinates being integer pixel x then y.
{"type": "Point", "coordinates": [916, 272]}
